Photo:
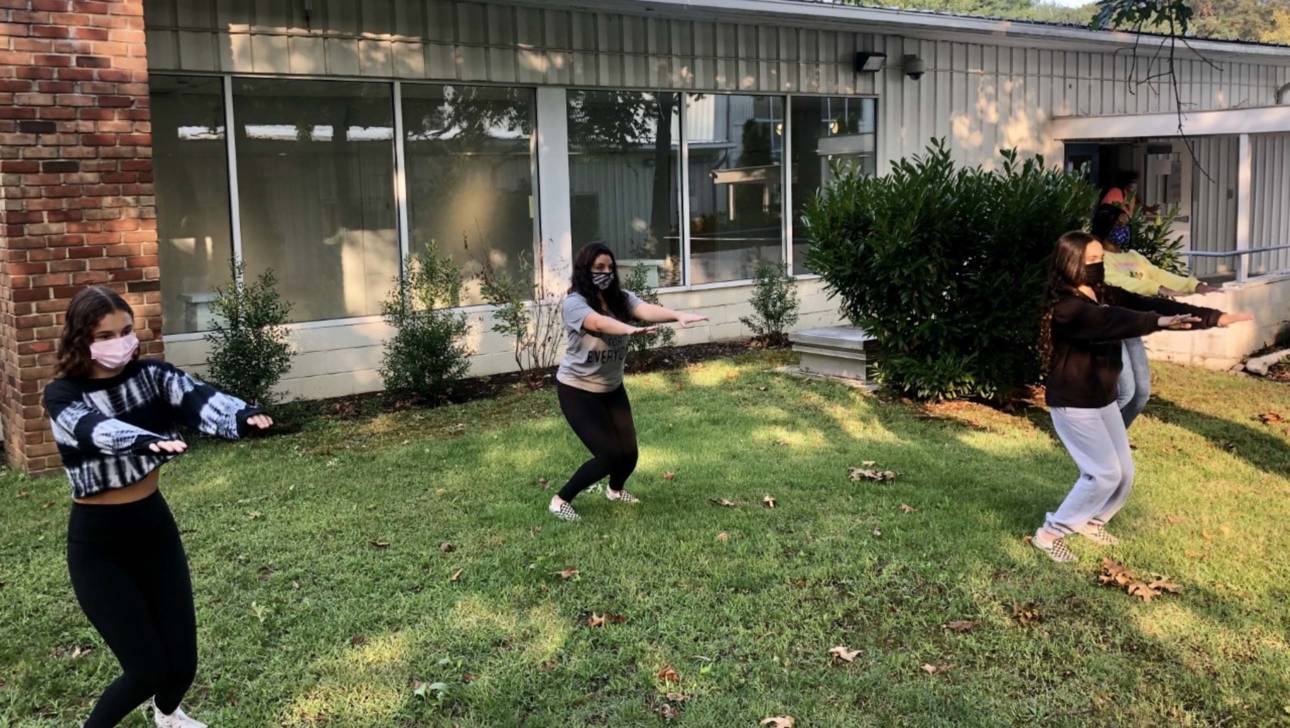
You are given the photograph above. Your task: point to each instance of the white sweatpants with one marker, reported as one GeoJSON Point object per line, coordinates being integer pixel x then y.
{"type": "Point", "coordinates": [1097, 441]}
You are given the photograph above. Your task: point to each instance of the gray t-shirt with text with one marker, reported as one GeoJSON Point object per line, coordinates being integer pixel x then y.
{"type": "Point", "coordinates": [592, 361]}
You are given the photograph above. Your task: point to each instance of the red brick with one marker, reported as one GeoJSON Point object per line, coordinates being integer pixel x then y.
{"type": "Point", "coordinates": [117, 101]}
{"type": "Point", "coordinates": [33, 45]}
{"type": "Point", "coordinates": [20, 166]}
{"type": "Point", "coordinates": [62, 165]}
{"type": "Point", "coordinates": [93, 62]}
{"type": "Point", "coordinates": [14, 85]}
{"type": "Point", "coordinates": [37, 127]}
{"type": "Point", "coordinates": [52, 6]}
{"type": "Point", "coordinates": [16, 112]}
{"type": "Point", "coordinates": [76, 74]}
{"type": "Point", "coordinates": [52, 60]}
{"type": "Point", "coordinates": [83, 33]}
{"type": "Point", "coordinates": [35, 72]}
{"type": "Point", "coordinates": [56, 87]}
{"type": "Point", "coordinates": [49, 31]}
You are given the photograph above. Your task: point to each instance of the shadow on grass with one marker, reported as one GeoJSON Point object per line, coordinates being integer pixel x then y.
{"type": "Point", "coordinates": [1259, 448]}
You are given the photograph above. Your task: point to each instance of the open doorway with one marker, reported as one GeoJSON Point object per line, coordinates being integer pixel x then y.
{"type": "Point", "coordinates": [1164, 173]}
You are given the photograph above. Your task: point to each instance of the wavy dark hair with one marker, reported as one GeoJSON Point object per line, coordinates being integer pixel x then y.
{"type": "Point", "coordinates": [87, 309]}
{"type": "Point", "coordinates": [582, 284]}
{"type": "Point", "coordinates": [1105, 218]}
{"type": "Point", "coordinates": [1066, 272]}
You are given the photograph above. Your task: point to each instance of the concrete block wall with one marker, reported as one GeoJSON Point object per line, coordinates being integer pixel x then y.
{"type": "Point", "coordinates": [1268, 299]}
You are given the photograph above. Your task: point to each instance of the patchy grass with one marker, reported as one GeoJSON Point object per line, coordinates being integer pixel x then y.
{"type": "Point", "coordinates": [307, 618]}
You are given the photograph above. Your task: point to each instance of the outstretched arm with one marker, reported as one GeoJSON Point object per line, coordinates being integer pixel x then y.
{"type": "Point", "coordinates": [653, 313]}
{"type": "Point", "coordinates": [81, 427]}
{"type": "Point", "coordinates": [205, 408]}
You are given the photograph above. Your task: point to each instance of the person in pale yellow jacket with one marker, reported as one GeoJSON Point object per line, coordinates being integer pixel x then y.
{"type": "Point", "coordinates": [1130, 270]}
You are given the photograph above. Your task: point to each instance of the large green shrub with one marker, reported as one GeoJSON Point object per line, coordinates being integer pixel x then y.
{"type": "Point", "coordinates": [946, 265]}
{"type": "Point", "coordinates": [249, 350]}
{"type": "Point", "coordinates": [425, 355]}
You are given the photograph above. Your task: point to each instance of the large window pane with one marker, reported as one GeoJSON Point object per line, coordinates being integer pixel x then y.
{"type": "Point", "coordinates": [470, 175]}
{"type": "Point", "coordinates": [191, 170]}
{"type": "Point", "coordinates": [736, 148]}
{"type": "Point", "coordinates": [624, 152]}
{"type": "Point", "coordinates": [826, 131]}
{"type": "Point", "coordinates": [316, 189]}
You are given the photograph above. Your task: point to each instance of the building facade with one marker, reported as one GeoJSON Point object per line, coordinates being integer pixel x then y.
{"type": "Point", "coordinates": [149, 145]}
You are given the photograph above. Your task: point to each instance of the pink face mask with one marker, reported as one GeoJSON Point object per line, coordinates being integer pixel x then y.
{"type": "Point", "coordinates": [114, 353]}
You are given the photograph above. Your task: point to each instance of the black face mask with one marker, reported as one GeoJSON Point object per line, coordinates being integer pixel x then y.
{"type": "Point", "coordinates": [602, 280]}
{"type": "Point", "coordinates": [1094, 273]}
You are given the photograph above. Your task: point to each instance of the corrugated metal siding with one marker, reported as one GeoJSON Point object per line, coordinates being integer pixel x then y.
{"type": "Point", "coordinates": [980, 96]}
{"type": "Point", "coordinates": [1270, 198]}
{"type": "Point", "coordinates": [1214, 203]}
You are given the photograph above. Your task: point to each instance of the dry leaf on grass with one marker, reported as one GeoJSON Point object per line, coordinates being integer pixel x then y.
{"type": "Point", "coordinates": [567, 573]}
{"type": "Point", "coordinates": [1117, 575]}
{"type": "Point", "coordinates": [678, 697]}
{"type": "Point", "coordinates": [467, 678]}
{"type": "Point", "coordinates": [447, 548]}
{"type": "Point", "coordinates": [842, 654]}
{"type": "Point", "coordinates": [357, 640]}
{"type": "Point", "coordinates": [779, 721]}
{"type": "Point", "coordinates": [596, 620]}
{"type": "Point", "coordinates": [253, 515]}
{"type": "Point", "coordinates": [871, 474]}
{"type": "Point", "coordinates": [669, 476]}
{"type": "Point", "coordinates": [724, 502]}
{"type": "Point", "coordinates": [379, 543]}
{"type": "Point", "coordinates": [1026, 614]}
{"type": "Point", "coordinates": [669, 674]}
{"type": "Point", "coordinates": [1271, 418]}
{"type": "Point", "coordinates": [908, 508]}
{"type": "Point", "coordinates": [544, 483]}
{"type": "Point", "coordinates": [547, 666]}
{"type": "Point", "coordinates": [961, 625]}
{"type": "Point", "coordinates": [668, 712]}
{"type": "Point", "coordinates": [768, 500]}
{"type": "Point", "coordinates": [1174, 520]}
{"type": "Point", "coordinates": [877, 533]}
{"type": "Point", "coordinates": [723, 537]}
{"type": "Point", "coordinates": [1028, 540]}
{"type": "Point", "coordinates": [22, 494]}
{"type": "Point", "coordinates": [931, 669]}
{"type": "Point", "coordinates": [456, 575]}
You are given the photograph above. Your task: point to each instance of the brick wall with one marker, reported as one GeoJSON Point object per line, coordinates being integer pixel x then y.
{"type": "Point", "coordinates": [76, 199]}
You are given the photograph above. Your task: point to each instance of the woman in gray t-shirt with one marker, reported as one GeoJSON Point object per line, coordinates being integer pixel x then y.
{"type": "Point", "coordinates": [589, 382]}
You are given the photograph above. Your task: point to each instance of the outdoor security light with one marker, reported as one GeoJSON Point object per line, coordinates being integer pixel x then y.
{"type": "Point", "coordinates": [867, 62]}
{"type": "Point", "coordinates": [915, 67]}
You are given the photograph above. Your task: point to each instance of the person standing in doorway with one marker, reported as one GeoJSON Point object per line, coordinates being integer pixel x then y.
{"type": "Point", "coordinates": [1083, 323]}
{"type": "Point", "coordinates": [589, 382]}
{"type": "Point", "coordinates": [115, 419]}
{"type": "Point", "coordinates": [1123, 193]}
{"type": "Point", "coordinates": [1131, 271]}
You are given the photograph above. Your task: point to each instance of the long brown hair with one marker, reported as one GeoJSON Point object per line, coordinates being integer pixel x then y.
{"type": "Point", "coordinates": [1066, 273]}
{"type": "Point", "coordinates": [87, 309]}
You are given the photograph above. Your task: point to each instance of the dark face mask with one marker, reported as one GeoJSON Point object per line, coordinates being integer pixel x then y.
{"type": "Point", "coordinates": [602, 280]}
{"type": "Point", "coordinates": [1095, 274]}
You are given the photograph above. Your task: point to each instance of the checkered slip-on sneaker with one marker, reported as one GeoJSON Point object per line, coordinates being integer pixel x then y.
{"type": "Point", "coordinates": [1057, 550]}
{"type": "Point", "coordinates": [1098, 534]}
{"type": "Point", "coordinates": [564, 512]}
{"type": "Point", "coordinates": [621, 496]}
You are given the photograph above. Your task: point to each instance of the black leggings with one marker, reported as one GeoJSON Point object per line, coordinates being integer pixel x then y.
{"type": "Point", "coordinates": [130, 575]}
{"type": "Point", "coordinates": [604, 424]}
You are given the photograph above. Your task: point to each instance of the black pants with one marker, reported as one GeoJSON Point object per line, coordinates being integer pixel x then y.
{"type": "Point", "coordinates": [130, 575]}
{"type": "Point", "coordinates": [604, 424]}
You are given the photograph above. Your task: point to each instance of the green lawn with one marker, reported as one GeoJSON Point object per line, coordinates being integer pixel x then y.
{"type": "Point", "coordinates": [323, 595]}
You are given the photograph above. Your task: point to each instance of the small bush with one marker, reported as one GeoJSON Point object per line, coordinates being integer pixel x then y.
{"type": "Point", "coordinates": [946, 265]}
{"type": "Point", "coordinates": [1153, 236]}
{"type": "Point", "coordinates": [774, 303]}
{"type": "Point", "coordinates": [249, 350]}
{"type": "Point", "coordinates": [527, 312]}
{"type": "Point", "coordinates": [637, 282]}
{"type": "Point", "coordinates": [425, 355]}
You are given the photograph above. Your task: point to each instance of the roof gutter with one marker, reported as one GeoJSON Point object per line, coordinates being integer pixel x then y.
{"type": "Point", "coordinates": [870, 19]}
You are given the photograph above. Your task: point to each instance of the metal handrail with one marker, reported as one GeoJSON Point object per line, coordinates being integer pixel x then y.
{"type": "Point", "coordinates": [1241, 269]}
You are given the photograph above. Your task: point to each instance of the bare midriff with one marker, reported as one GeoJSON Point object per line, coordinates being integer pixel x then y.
{"type": "Point", "coordinates": [129, 494]}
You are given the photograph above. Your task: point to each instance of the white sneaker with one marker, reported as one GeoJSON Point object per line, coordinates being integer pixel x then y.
{"type": "Point", "coordinates": [176, 719]}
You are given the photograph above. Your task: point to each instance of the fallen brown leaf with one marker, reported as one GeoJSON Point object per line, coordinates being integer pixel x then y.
{"type": "Point", "coordinates": [567, 573]}
{"type": "Point", "coordinates": [447, 548]}
{"type": "Point", "coordinates": [468, 678]}
{"type": "Point", "coordinates": [668, 712]}
{"type": "Point", "coordinates": [724, 502]}
{"type": "Point", "coordinates": [931, 669]}
{"type": "Point", "coordinates": [877, 532]}
{"type": "Point", "coordinates": [23, 494]}
{"type": "Point", "coordinates": [669, 476]}
{"type": "Point", "coordinates": [678, 697]}
{"type": "Point", "coordinates": [961, 625]}
{"type": "Point", "coordinates": [596, 620]}
{"type": "Point", "coordinates": [615, 618]}
{"type": "Point", "coordinates": [1028, 540]}
{"type": "Point", "coordinates": [357, 640]}
{"type": "Point", "coordinates": [1271, 418]}
{"type": "Point", "coordinates": [456, 575]}
{"type": "Point", "coordinates": [380, 544]}
{"type": "Point", "coordinates": [723, 537]}
{"type": "Point", "coordinates": [547, 666]}
{"type": "Point", "coordinates": [1164, 585]}
{"type": "Point", "coordinates": [1026, 614]}
{"type": "Point", "coordinates": [842, 654]}
{"type": "Point", "coordinates": [908, 508]}
{"type": "Point", "coordinates": [544, 483]}
{"type": "Point", "coordinates": [768, 501]}
{"type": "Point", "coordinates": [779, 721]}
{"type": "Point", "coordinates": [1174, 520]}
{"type": "Point", "coordinates": [669, 674]}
